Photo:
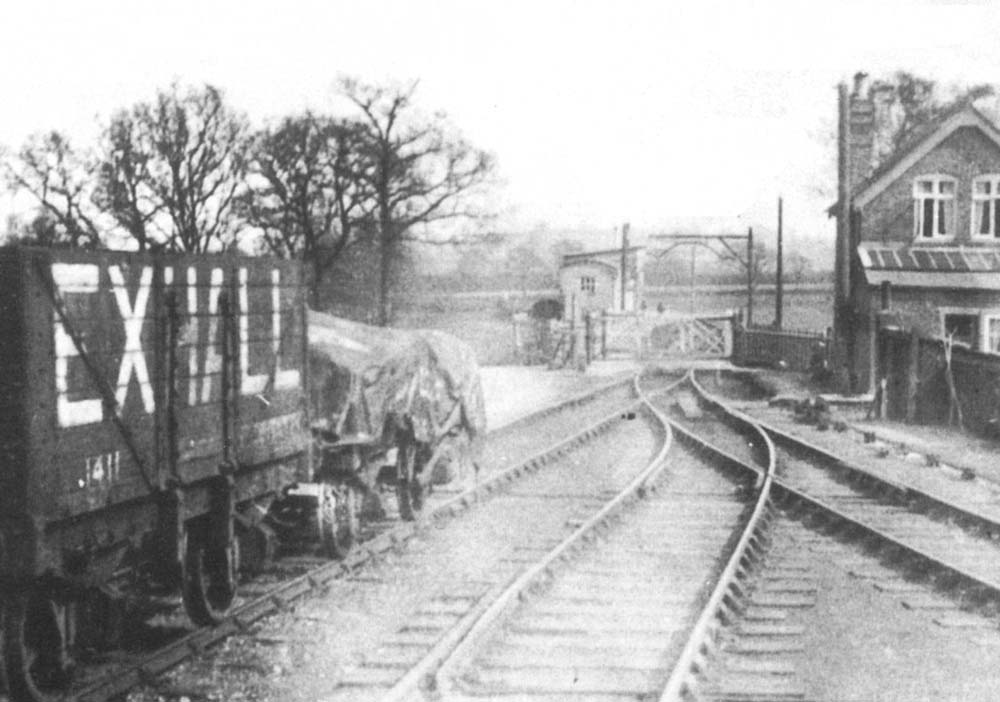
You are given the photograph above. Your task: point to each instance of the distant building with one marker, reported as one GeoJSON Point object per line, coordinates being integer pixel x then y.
{"type": "Point", "coordinates": [591, 282]}
{"type": "Point", "coordinates": [918, 238]}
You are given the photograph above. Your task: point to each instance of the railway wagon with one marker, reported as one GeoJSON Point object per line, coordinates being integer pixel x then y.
{"type": "Point", "coordinates": [394, 407]}
{"type": "Point", "coordinates": [151, 409]}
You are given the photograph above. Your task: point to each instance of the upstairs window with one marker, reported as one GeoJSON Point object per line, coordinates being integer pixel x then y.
{"type": "Point", "coordinates": [587, 283]}
{"type": "Point", "coordinates": [986, 207]}
{"type": "Point", "coordinates": [934, 207]}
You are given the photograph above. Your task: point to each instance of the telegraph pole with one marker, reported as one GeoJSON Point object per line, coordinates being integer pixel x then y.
{"type": "Point", "coordinates": [749, 276]}
{"type": "Point", "coordinates": [778, 282]}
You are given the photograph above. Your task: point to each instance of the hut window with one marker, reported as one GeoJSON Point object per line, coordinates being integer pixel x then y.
{"type": "Point", "coordinates": [934, 207]}
{"type": "Point", "coordinates": [986, 207]}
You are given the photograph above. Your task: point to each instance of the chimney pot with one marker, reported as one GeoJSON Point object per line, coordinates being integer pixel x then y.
{"type": "Point", "coordinates": [859, 83]}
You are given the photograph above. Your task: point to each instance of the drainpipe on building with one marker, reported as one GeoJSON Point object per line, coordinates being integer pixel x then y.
{"type": "Point", "coordinates": [624, 270]}
{"type": "Point", "coordinates": [841, 251]}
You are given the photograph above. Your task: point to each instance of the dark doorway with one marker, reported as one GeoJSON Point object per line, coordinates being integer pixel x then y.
{"type": "Point", "coordinates": [548, 308]}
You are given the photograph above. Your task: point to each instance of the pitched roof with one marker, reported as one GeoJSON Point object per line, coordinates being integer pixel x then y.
{"type": "Point", "coordinates": [918, 145]}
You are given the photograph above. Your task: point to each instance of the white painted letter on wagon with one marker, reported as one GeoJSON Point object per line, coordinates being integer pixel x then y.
{"type": "Point", "coordinates": [72, 279]}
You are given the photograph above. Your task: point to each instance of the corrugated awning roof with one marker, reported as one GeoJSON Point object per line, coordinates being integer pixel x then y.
{"type": "Point", "coordinates": [954, 280]}
{"type": "Point", "coordinates": [933, 267]}
{"type": "Point", "coordinates": [925, 258]}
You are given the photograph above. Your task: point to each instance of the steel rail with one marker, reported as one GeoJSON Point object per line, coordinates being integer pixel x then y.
{"type": "Point", "coordinates": [779, 493]}
{"type": "Point", "coordinates": [724, 599]}
{"type": "Point", "coordinates": [435, 671]}
{"type": "Point", "coordinates": [908, 494]}
{"type": "Point", "coordinates": [903, 491]}
{"type": "Point", "coordinates": [148, 667]}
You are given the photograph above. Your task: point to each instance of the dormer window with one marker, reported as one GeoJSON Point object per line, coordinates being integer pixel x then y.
{"type": "Point", "coordinates": [986, 207]}
{"type": "Point", "coordinates": [934, 207]}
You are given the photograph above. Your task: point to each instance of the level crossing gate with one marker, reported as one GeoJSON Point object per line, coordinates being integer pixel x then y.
{"type": "Point", "coordinates": [650, 335]}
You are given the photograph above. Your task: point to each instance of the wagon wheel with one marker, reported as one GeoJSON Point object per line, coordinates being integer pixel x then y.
{"type": "Point", "coordinates": [209, 582]}
{"type": "Point", "coordinates": [337, 518]}
{"type": "Point", "coordinates": [37, 665]}
{"type": "Point", "coordinates": [409, 491]}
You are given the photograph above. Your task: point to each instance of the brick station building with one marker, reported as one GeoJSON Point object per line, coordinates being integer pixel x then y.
{"type": "Point", "coordinates": [918, 238]}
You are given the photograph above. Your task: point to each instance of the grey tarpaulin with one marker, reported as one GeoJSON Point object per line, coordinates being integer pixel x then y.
{"type": "Point", "coordinates": [365, 378]}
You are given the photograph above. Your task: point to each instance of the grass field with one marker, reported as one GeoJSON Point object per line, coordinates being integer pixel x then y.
{"type": "Point", "coordinates": [485, 322]}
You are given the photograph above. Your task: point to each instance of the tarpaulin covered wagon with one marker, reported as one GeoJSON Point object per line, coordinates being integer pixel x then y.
{"type": "Point", "coordinates": [392, 406]}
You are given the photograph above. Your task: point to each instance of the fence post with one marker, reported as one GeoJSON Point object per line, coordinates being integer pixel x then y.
{"type": "Point", "coordinates": [604, 335]}
{"type": "Point", "coordinates": [738, 341]}
{"type": "Point", "coordinates": [728, 348]}
{"type": "Point", "coordinates": [518, 352]}
{"type": "Point", "coordinates": [912, 375]}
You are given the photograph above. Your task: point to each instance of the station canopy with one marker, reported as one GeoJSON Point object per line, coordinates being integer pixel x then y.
{"type": "Point", "coordinates": [931, 267]}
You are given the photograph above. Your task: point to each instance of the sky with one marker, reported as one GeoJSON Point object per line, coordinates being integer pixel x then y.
{"type": "Point", "coordinates": [663, 114]}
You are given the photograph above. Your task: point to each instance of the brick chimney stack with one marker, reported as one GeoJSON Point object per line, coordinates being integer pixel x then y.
{"type": "Point", "coordinates": [861, 128]}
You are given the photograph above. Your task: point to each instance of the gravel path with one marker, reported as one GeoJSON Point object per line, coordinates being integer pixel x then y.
{"type": "Point", "coordinates": [512, 392]}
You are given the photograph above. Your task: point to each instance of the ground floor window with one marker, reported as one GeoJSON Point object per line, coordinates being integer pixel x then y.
{"type": "Point", "coordinates": [962, 328]}
{"type": "Point", "coordinates": [993, 333]}
{"type": "Point", "coordinates": [977, 329]}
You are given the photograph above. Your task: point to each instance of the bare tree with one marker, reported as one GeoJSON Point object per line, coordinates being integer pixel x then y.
{"type": "Point", "coordinates": [799, 267]}
{"type": "Point", "coordinates": [171, 170]}
{"type": "Point", "coordinates": [423, 173]}
{"type": "Point", "coordinates": [907, 103]}
{"type": "Point", "coordinates": [60, 179]}
{"type": "Point", "coordinates": [124, 180]}
{"type": "Point", "coordinates": [308, 188]}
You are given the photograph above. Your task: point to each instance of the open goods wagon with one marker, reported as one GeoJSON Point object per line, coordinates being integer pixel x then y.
{"type": "Point", "coordinates": [153, 407]}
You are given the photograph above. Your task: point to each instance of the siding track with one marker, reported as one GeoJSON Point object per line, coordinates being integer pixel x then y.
{"type": "Point", "coordinates": [605, 613]}
{"type": "Point", "coordinates": [840, 535]}
{"type": "Point", "coordinates": [512, 453]}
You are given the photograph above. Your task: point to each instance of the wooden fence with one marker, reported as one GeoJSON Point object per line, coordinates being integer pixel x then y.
{"type": "Point", "coordinates": [780, 348]}
{"type": "Point", "coordinates": [917, 383]}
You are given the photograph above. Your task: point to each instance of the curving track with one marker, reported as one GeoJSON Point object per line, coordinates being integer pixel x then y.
{"type": "Point", "coordinates": [692, 553]}
{"type": "Point", "coordinates": [605, 611]}
{"type": "Point", "coordinates": [816, 614]}
{"type": "Point", "coordinates": [513, 452]}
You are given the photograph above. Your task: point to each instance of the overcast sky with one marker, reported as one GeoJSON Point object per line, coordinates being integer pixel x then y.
{"type": "Point", "coordinates": [598, 112]}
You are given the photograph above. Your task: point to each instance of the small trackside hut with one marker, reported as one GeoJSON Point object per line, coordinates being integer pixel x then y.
{"type": "Point", "coordinates": [153, 406]}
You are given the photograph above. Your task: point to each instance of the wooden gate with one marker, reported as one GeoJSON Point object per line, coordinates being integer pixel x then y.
{"type": "Point", "coordinates": [647, 335]}
{"type": "Point", "coordinates": [691, 336]}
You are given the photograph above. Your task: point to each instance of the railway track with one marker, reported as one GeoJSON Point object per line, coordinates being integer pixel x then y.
{"type": "Point", "coordinates": [959, 538]}
{"type": "Point", "coordinates": [834, 534]}
{"type": "Point", "coordinates": [585, 615]}
{"type": "Point", "coordinates": [509, 455]}
{"type": "Point", "coordinates": [410, 659]}
{"type": "Point", "coordinates": [790, 575]}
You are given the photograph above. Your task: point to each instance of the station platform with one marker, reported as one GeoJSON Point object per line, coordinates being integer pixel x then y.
{"type": "Point", "coordinates": [960, 450]}
{"type": "Point", "coordinates": [513, 392]}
